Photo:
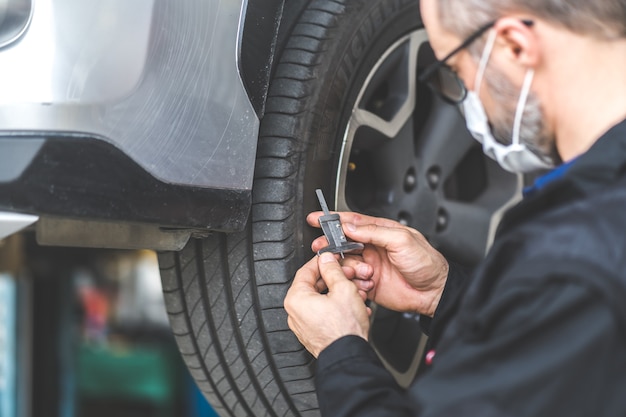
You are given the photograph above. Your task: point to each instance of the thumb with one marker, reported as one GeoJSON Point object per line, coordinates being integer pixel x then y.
{"type": "Point", "coordinates": [331, 270]}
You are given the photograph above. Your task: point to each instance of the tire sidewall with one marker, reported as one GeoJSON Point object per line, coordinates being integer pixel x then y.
{"type": "Point", "coordinates": [365, 33]}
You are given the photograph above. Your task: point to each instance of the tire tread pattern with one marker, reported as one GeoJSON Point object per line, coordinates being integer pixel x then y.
{"type": "Point", "coordinates": [225, 293]}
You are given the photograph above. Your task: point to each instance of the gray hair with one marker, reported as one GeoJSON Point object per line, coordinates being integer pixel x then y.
{"type": "Point", "coordinates": [603, 19]}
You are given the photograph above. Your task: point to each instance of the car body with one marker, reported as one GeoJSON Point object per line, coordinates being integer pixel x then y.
{"type": "Point", "coordinates": [140, 115]}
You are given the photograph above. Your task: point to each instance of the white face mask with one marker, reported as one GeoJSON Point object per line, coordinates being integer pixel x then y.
{"type": "Point", "coordinates": [516, 157]}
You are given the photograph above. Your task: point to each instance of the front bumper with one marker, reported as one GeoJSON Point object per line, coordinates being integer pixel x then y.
{"type": "Point", "coordinates": [85, 178]}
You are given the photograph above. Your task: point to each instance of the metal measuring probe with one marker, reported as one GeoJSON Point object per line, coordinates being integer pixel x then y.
{"type": "Point", "coordinates": [331, 226]}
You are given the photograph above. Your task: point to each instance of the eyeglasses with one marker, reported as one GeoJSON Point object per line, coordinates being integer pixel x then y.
{"type": "Point", "coordinates": [443, 80]}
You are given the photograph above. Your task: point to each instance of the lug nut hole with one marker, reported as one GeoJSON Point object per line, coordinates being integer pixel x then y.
{"type": "Point", "coordinates": [405, 218]}
{"type": "Point", "coordinates": [410, 180]}
{"type": "Point", "coordinates": [442, 220]}
{"type": "Point", "coordinates": [433, 177]}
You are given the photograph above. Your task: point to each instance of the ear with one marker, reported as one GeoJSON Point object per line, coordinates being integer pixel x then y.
{"type": "Point", "coordinates": [520, 41]}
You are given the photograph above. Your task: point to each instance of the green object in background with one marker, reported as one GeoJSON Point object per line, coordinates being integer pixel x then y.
{"type": "Point", "coordinates": [146, 374]}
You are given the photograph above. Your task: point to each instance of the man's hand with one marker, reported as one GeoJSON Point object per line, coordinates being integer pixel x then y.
{"type": "Point", "coordinates": [318, 319]}
{"type": "Point", "coordinates": [408, 273]}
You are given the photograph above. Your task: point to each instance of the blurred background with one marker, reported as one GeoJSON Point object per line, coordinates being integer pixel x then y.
{"type": "Point", "coordinates": [83, 332]}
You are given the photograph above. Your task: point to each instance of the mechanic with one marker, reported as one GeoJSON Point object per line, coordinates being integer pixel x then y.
{"type": "Point", "coordinates": [539, 329]}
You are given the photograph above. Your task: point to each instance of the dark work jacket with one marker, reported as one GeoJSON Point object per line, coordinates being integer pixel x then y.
{"type": "Point", "coordinates": [540, 327]}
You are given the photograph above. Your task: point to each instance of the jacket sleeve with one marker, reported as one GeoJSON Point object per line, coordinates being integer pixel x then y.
{"type": "Point", "coordinates": [352, 381]}
{"type": "Point", "coordinates": [535, 349]}
{"type": "Point", "coordinates": [458, 278]}
{"type": "Point", "coordinates": [532, 350]}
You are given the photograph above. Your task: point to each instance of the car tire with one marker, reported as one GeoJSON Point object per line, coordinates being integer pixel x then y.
{"type": "Point", "coordinates": [224, 293]}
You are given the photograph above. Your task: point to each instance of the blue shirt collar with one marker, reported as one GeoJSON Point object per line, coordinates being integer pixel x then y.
{"type": "Point", "coordinates": [548, 178]}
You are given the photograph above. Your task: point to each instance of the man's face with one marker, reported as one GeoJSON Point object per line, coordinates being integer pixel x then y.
{"type": "Point", "coordinates": [498, 93]}
{"type": "Point", "coordinates": [504, 97]}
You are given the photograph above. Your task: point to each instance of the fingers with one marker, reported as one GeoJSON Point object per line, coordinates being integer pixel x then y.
{"type": "Point", "coordinates": [354, 218]}
{"type": "Point", "coordinates": [318, 320]}
{"type": "Point", "coordinates": [307, 276]}
{"type": "Point", "coordinates": [334, 275]}
{"type": "Point", "coordinates": [331, 271]}
{"type": "Point", "coordinates": [383, 236]}
{"type": "Point", "coordinates": [354, 267]}
{"type": "Point", "coordinates": [367, 229]}
{"type": "Point", "coordinates": [361, 270]}
{"type": "Point", "coordinates": [321, 286]}
{"type": "Point", "coordinates": [319, 243]}
{"type": "Point", "coordinates": [363, 285]}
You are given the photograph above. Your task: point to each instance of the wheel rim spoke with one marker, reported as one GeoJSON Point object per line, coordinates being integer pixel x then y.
{"type": "Point", "coordinates": [362, 117]}
{"type": "Point", "coordinates": [444, 140]}
{"type": "Point", "coordinates": [460, 225]}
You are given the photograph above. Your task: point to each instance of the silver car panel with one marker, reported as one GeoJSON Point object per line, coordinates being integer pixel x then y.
{"type": "Point", "coordinates": [149, 76]}
{"type": "Point", "coordinates": [15, 16]}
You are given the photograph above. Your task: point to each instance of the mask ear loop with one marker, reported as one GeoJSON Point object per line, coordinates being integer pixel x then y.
{"type": "Point", "coordinates": [482, 66]}
{"type": "Point", "coordinates": [521, 106]}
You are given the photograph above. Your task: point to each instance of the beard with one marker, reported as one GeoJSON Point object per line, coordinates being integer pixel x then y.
{"type": "Point", "coordinates": [533, 131]}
